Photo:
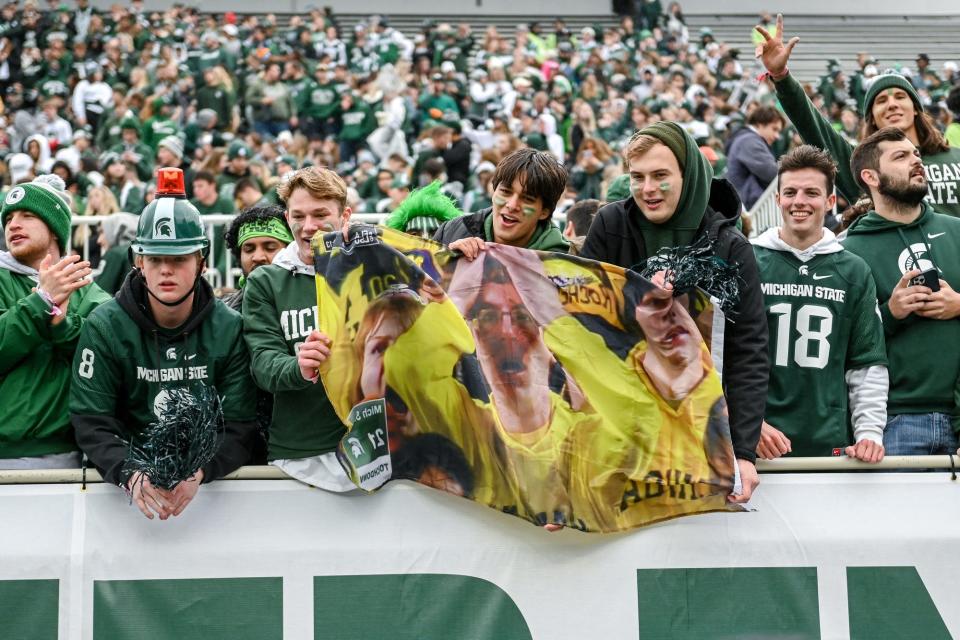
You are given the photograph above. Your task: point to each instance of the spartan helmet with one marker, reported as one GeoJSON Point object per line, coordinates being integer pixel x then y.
{"type": "Point", "coordinates": [170, 225]}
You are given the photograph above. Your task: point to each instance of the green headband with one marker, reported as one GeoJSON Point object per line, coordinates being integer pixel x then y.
{"type": "Point", "coordinates": [271, 227]}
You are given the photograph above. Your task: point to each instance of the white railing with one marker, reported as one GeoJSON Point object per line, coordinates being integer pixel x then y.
{"type": "Point", "coordinates": [835, 464]}
{"type": "Point", "coordinates": [213, 275]}
{"type": "Point", "coordinates": [765, 213]}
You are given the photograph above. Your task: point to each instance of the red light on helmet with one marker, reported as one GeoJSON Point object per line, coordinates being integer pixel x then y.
{"type": "Point", "coordinates": [170, 183]}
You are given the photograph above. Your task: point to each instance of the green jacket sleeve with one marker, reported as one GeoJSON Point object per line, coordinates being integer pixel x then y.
{"type": "Point", "coordinates": [867, 346]}
{"type": "Point", "coordinates": [82, 303]}
{"type": "Point", "coordinates": [816, 130]}
{"type": "Point", "coordinates": [274, 369]}
{"type": "Point", "coordinates": [23, 327]}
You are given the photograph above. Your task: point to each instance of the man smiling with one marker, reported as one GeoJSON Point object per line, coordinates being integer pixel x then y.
{"type": "Point", "coordinates": [526, 187]}
{"type": "Point", "coordinates": [828, 368]}
{"type": "Point", "coordinates": [280, 322]}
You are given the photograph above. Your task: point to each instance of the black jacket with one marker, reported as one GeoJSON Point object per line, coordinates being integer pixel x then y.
{"type": "Point", "coordinates": [466, 226]}
{"type": "Point", "coordinates": [615, 237]}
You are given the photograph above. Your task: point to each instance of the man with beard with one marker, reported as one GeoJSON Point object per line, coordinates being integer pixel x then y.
{"type": "Point", "coordinates": [912, 252]}
{"type": "Point", "coordinates": [45, 298]}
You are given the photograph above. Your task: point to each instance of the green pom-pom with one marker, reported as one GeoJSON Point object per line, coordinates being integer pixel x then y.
{"type": "Point", "coordinates": [185, 437]}
{"type": "Point", "coordinates": [426, 201]}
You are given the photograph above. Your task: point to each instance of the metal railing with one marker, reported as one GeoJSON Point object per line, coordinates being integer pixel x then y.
{"type": "Point", "coordinates": [765, 213]}
{"type": "Point", "coordinates": [838, 464]}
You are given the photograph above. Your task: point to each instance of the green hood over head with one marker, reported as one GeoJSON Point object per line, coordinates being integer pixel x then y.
{"type": "Point", "coordinates": [679, 230]}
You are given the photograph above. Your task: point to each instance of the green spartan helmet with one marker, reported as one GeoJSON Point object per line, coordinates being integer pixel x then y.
{"type": "Point", "coordinates": [170, 225]}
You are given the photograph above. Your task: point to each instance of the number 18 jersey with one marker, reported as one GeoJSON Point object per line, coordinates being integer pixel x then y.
{"type": "Point", "coordinates": [823, 321]}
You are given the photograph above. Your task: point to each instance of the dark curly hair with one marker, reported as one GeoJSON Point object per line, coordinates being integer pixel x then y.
{"type": "Point", "coordinates": [250, 214]}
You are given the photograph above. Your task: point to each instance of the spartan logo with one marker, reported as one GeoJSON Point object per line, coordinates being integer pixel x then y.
{"type": "Point", "coordinates": [356, 448]}
{"type": "Point", "coordinates": [160, 403]}
{"type": "Point", "coordinates": [171, 354]}
{"type": "Point", "coordinates": [804, 270]}
{"type": "Point", "coordinates": [907, 262]}
{"type": "Point", "coordinates": [16, 195]}
{"type": "Point", "coordinates": [163, 226]}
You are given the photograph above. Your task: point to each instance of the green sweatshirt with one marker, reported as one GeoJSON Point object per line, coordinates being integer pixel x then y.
{"type": "Point", "coordinates": [358, 122]}
{"type": "Point", "coordinates": [942, 169]}
{"type": "Point", "coordinates": [35, 367]}
{"type": "Point", "coordinates": [922, 374]}
{"type": "Point", "coordinates": [319, 101]}
{"type": "Point", "coordinates": [279, 312]}
{"type": "Point", "coordinates": [125, 364]}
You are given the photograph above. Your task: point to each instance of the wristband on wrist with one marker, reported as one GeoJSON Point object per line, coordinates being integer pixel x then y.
{"type": "Point", "coordinates": [46, 297]}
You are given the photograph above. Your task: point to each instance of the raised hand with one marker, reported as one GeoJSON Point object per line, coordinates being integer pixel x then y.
{"type": "Point", "coordinates": [772, 52]}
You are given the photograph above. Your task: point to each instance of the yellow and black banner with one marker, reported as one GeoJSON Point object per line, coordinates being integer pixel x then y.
{"type": "Point", "coordinates": [550, 387]}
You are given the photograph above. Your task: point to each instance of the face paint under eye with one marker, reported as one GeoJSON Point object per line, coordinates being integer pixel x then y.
{"type": "Point", "coordinates": [499, 200]}
{"type": "Point", "coordinates": [528, 211]}
{"type": "Point", "coordinates": [327, 227]}
{"type": "Point", "coordinates": [665, 186]}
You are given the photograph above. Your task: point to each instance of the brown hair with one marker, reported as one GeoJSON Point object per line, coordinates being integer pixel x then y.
{"type": "Point", "coordinates": [866, 155]}
{"type": "Point", "coordinates": [402, 305]}
{"type": "Point", "coordinates": [539, 173]}
{"type": "Point", "coordinates": [808, 157]}
{"type": "Point", "coordinates": [929, 139]}
{"type": "Point", "coordinates": [320, 182]}
{"type": "Point", "coordinates": [766, 115]}
{"type": "Point", "coordinates": [639, 145]}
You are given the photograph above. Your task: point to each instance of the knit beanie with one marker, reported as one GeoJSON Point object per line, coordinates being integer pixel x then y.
{"type": "Point", "coordinates": [174, 144]}
{"type": "Point", "coordinates": [890, 81]}
{"type": "Point", "coordinates": [47, 198]}
{"type": "Point", "coordinates": [670, 135]}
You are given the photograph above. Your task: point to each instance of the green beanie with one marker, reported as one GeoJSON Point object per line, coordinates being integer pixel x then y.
{"type": "Point", "coordinates": [47, 199]}
{"type": "Point", "coordinates": [130, 122]}
{"type": "Point", "coordinates": [670, 135]}
{"type": "Point", "coordinates": [890, 81]}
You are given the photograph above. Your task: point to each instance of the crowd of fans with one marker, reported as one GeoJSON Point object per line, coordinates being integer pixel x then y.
{"type": "Point", "coordinates": [542, 120]}
{"type": "Point", "coordinates": [100, 98]}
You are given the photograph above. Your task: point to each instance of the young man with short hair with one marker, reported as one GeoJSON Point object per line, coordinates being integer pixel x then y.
{"type": "Point", "coordinates": [828, 374]}
{"type": "Point", "coordinates": [751, 166]}
{"type": "Point", "coordinates": [526, 187]}
{"type": "Point", "coordinates": [254, 238]}
{"type": "Point", "coordinates": [579, 218]}
{"type": "Point", "coordinates": [45, 298]}
{"type": "Point", "coordinates": [280, 324]}
{"type": "Point", "coordinates": [913, 254]}
{"type": "Point", "coordinates": [676, 202]}
{"type": "Point", "coordinates": [163, 336]}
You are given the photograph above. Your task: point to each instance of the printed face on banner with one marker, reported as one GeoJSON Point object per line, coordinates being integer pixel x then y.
{"type": "Point", "coordinates": [545, 386]}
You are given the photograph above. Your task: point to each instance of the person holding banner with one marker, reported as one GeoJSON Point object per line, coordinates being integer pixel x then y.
{"type": "Point", "coordinates": [828, 368]}
{"type": "Point", "coordinates": [527, 185]}
{"type": "Point", "coordinates": [280, 319]}
{"type": "Point", "coordinates": [675, 203]}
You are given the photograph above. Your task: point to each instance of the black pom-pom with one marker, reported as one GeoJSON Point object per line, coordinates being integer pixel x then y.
{"type": "Point", "coordinates": [698, 266]}
{"type": "Point", "coordinates": [186, 437]}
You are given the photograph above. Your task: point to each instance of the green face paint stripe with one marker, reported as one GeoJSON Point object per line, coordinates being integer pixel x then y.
{"type": "Point", "coordinates": [499, 201]}
{"type": "Point", "coordinates": [665, 186]}
{"type": "Point", "coordinates": [528, 211]}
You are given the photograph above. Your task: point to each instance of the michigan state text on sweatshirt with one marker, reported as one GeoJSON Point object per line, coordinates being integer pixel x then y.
{"type": "Point", "coordinates": [942, 169]}
{"type": "Point", "coordinates": [125, 365]}
{"type": "Point", "coordinates": [921, 351]}
{"type": "Point", "coordinates": [822, 316]}
{"type": "Point", "coordinates": [279, 313]}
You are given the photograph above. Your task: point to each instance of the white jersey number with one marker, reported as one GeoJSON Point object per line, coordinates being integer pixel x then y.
{"type": "Point", "coordinates": [805, 354]}
{"type": "Point", "coordinates": [85, 370]}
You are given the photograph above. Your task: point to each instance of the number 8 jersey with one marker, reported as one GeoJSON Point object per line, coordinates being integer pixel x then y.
{"type": "Point", "coordinates": [823, 322]}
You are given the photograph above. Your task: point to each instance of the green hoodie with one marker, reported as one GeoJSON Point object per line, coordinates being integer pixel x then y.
{"type": "Point", "coordinates": [942, 169]}
{"type": "Point", "coordinates": [35, 366]}
{"type": "Point", "coordinates": [923, 376]}
{"type": "Point", "coordinates": [279, 312]}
